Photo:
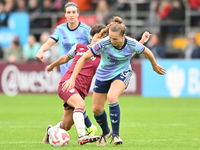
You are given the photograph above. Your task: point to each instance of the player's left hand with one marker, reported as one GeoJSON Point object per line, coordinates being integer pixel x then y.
{"type": "Point", "coordinates": [160, 70]}
{"type": "Point", "coordinates": [49, 68]}
{"type": "Point", "coordinates": [68, 85]}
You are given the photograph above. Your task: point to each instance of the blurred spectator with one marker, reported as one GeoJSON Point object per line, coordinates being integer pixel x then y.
{"type": "Point", "coordinates": [21, 6]}
{"type": "Point", "coordinates": [43, 38]}
{"type": "Point", "coordinates": [108, 19]}
{"type": "Point", "coordinates": [47, 7]}
{"type": "Point", "coordinates": [102, 10]}
{"type": "Point", "coordinates": [94, 4]}
{"type": "Point", "coordinates": [111, 2]}
{"type": "Point", "coordinates": [14, 52]}
{"type": "Point", "coordinates": [53, 53]}
{"type": "Point", "coordinates": [7, 7]}
{"type": "Point", "coordinates": [34, 10]}
{"type": "Point", "coordinates": [30, 49]}
{"type": "Point", "coordinates": [177, 13]}
{"type": "Point", "coordinates": [192, 50]}
{"type": "Point", "coordinates": [162, 8]}
{"type": "Point", "coordinates": [167, 12]}
{"type": "Point", "coordinates": [178, 10]}
{"type": "Point", "coordinates": [195, 6]}
{"type": "Point", "coordinates": [156, 46]}
{"type": "Point", "coordinates": [58, 4]}
{"type": "Point", "coordinates": [123, 6]}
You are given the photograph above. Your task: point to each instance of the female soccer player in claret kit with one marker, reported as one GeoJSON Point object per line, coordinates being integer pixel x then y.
{"type": "Point", "coordinates": [68, 34]}
{"type": "Point", "coordinates": [112, 75]}
{"type": "Point", "coordinates": [73, 100]}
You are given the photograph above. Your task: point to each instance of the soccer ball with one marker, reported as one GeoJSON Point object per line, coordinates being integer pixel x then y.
{"type": "Point", "coordinates": [59, 137]}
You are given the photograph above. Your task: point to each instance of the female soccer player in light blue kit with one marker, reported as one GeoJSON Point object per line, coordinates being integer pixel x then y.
{"type": "Point", "coordinates": [68, 34]}
{"type": "Point", "coordinates": [112, 75]}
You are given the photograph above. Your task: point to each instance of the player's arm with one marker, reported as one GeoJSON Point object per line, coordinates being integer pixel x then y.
{"type": "Point", "coordinates": [69, 84]}
{"type": "Point", "coordinates": [157, 68]}
{"type": "Point", "coordinates": [59, 61]}
{"type": "Point", "coordinates": [145, 37]}
{"type": "Point", "coordinates": [46, 46]}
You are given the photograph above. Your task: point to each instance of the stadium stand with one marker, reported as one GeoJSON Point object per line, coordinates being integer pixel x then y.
{"type": "Point", "coordinates": [138, 16]}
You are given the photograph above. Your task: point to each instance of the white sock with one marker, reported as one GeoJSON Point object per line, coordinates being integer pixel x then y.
{"type": "Point", "coordinates": [58, 126]}
{"type": "Point", "coordinates": [79, 121]}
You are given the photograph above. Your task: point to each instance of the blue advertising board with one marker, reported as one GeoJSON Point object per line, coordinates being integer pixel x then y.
{"type": "Point", "coordinates": [18, 24]}
{"type": "Point", "coordinates": [181, 80]}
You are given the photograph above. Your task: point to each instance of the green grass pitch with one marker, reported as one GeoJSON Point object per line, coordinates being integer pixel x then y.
{"type": "Point", "coordinates": [146, 123]}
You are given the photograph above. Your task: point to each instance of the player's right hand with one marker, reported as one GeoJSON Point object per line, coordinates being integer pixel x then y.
{"type": "Point", "coordinates": [68, 85]}
{"type": "Point", "coordinates": [40, 56]}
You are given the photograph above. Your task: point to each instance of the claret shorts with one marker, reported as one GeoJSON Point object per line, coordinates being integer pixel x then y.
{"type": "Point", "coordinates": [66, 95]}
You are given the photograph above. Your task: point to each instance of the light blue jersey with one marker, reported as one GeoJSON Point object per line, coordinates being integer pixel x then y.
{"type": "Point", "coordinates": [115, 61]}
{"type": "Point", "coordinates": [68, 38]}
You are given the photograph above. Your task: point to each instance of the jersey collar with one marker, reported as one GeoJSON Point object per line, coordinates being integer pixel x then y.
{"type": "Point", "coordinates": [73, 29]}
{"type": "Point", "coordinates": [122, 46]}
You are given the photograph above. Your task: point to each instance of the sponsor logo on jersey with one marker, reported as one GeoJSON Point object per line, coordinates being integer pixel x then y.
{"type": "Point", "coordinates": [97, 47]}
{"type": "Point", "coordinates": [81, 49]}
{"type": "Point", "coordinates": [80, 53]}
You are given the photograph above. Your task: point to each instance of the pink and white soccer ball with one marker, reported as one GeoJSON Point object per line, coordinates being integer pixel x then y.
{"type": "Point", "coordinates": [59, 137]}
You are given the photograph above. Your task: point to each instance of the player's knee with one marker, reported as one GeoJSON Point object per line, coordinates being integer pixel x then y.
{"type": "Point", "coordinates": [112, 98]}
{"type": "Point", "coordinates": [80, 105]}
{"type": "Point", "coordinates": [97, 110]}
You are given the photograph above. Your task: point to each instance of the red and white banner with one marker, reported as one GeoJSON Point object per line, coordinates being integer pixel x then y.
{"type": "Point", "coordinates": [31, 77]}
{"type": "Point", "coordinates": [27, 78]}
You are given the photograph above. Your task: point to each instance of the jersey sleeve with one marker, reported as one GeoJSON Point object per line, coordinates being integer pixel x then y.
{"type": "Point", "coordinates": [71, 52]}
{"type": "Point", "coordinates": [139, 48]}
{"type": "Point", "coordinates": [55, 35]}
{"type": "Point", "coordinates": [97, 48]}
{"type": "Point", "coordinates": [88, 34]}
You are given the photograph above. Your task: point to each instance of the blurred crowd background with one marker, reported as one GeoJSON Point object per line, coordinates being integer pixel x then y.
{"type": "Point", "coordinates": [174, 25]}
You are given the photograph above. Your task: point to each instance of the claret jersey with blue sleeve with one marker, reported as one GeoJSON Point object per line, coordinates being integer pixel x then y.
{"type": "Point", "coordinates": [68, 38]}
{"type": "Point", "coordinates": [113, 60]}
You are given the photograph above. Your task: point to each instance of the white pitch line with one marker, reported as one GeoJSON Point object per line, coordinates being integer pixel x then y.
{"type": "Point", "coordinates": [1, 143]}
{"type": "Point", "coordinates": [155, 124]}
{"type": "Point", "coordinates": [21, 127]}
{"type": "Point", "coordinates": [157, 140]}
{"type": "Point", "coordinates": [20, 142]}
